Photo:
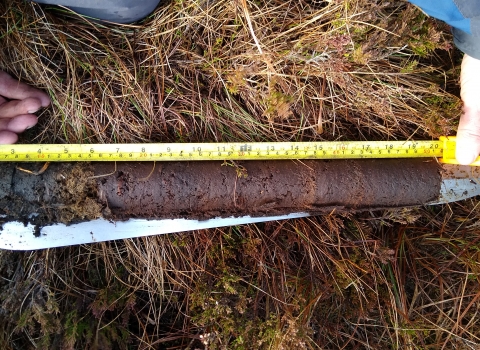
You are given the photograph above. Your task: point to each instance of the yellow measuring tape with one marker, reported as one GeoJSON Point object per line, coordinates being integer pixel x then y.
{"type": "Point", "coordinates": [443, 149]}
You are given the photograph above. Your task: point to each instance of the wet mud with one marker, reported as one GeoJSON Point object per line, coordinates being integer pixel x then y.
{"type": "Point", "coordinates": [74, 192]}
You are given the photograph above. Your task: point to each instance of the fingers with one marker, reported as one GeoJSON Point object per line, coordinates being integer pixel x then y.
{"type": "Point", "coordinates": [18, 102]}
{"type": "Point", "coordinates": [15, 90]}
{"type": "Point", "coordinates": [468, 137]}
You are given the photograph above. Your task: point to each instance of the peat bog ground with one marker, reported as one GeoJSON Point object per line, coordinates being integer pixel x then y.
{"type": "Point", "coordinates": [217, 71]}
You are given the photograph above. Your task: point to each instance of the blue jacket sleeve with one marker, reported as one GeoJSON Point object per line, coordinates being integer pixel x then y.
{"type": "Point", "coordinates": [463, 16]}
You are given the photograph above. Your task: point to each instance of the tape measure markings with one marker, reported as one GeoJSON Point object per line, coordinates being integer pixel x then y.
{"type": "Point", "coordinates": [224, 151]}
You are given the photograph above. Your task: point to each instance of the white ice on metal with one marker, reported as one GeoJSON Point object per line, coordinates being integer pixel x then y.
{"type": "Point", "coordinates": [17, 236]}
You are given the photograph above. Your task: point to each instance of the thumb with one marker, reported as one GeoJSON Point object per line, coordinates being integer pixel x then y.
{"type": "Point", "coordinates": [470, 82]}
{"type": "Point", "coordinates": [468, 133]}
{"type": "Point", "coordinates": [468, 137]}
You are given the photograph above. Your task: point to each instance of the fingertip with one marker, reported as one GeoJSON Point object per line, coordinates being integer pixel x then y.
{"type": "Point", "coordinates": [30, 105]}
{"type": "Point", "coordinates": [21, 123]}
{"type": "Point", "coordinates": [15, 108]}
{"type": "Point", "coordinates": [45, 99]}
{"type": "Point", "coordinates": [8, 137]}
{"type": "Point", "coordinates": [42, 100]}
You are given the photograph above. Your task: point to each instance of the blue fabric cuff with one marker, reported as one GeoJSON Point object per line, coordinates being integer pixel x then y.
{"type": "Point", "coordinates": [467, 43]}
{"type": "Point", "coordinates": [446, 11]}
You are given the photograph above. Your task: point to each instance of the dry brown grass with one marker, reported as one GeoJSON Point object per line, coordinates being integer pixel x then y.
{"type": "Point", "coordinates": [245, 70]}
{"type": "Point", "coordinates": [232, 70]}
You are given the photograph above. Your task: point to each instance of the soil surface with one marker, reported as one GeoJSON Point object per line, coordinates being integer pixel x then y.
{"type": "Point", "coordinates": [73, 192]}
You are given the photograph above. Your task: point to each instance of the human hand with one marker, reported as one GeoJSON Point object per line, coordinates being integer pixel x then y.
{"type": "Point", "coordinates": [18, 103]}
{"type": "Point", "coordinates": [468, 133]}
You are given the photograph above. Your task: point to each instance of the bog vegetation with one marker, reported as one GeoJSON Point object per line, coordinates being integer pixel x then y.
{"type": "Point", "coordinates": [237, 71]}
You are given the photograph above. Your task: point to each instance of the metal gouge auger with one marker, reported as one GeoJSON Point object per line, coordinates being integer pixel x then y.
{"type": "Point", "coordinates": [137, 199]}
